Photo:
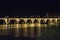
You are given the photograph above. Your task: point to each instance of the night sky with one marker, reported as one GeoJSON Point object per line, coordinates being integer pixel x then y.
{"type": "Point", "coordinates": [29, 8]}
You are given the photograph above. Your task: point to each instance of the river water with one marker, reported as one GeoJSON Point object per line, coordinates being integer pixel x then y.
{"type": "Point", "coordinates": [39, 31]}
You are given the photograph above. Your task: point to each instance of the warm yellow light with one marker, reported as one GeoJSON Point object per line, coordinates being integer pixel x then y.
{"type": "Point", "coordinates": [39, 25]}
{"type": "Point", "coordinates": [32, 25]}
{"type": "Point", "coordinates": [17, 25]}
{"type": "Point", "coordinates": [24, 25]}
{"type": "Point", "coordinates": [3, 27]}
{"type": "Point", "coordinates": [17, 19]}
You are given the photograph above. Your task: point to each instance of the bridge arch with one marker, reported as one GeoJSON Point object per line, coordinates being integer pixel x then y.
{"type": "Point", "coordinates": [53, 21]}
{"type": "Point", "coordinates": [2, 21]}
{"type": "Point", "coordinates": [48, 21]}
{"type": "Point", "coordinates": [42, 21]}
{"type": "Point", "coordinates": [29, 21]}
{"type": "Point", "coordinates": [21, 21]}
{"type": "Point", "coordinates": [12, 21]}
{"type": "Point", "coordinates": [58, 21]}
{"type": "Point", "coordinates": [36, 21]}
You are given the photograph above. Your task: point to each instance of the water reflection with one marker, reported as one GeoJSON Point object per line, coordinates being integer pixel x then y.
{"type": "Point", "coordinates": [3, 30]}
{"type": "Point", "coordinates": [28, 30]}
{"type": "Point", "coordinates": [51, 32]}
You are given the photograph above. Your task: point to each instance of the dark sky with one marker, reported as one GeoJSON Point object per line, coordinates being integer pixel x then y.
{"type": "Point", "coordinates": [28, 8]}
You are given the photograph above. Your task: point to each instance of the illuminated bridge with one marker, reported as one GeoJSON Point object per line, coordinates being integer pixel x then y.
{"type": "Point", "coordinates": [29, 20]}
{"type": "Point", "coordinates": [18, 23]}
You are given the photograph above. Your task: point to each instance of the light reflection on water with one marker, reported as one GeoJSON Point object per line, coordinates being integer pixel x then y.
{"type": "Point", "coordinates": [26, 30]}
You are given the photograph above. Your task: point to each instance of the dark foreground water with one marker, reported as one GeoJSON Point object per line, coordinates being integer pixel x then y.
{"type": "Point", "coordinates": [49, 32]}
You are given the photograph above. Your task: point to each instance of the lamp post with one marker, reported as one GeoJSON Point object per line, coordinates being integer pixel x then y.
{"type": "Point", "coordinates": [47, 15]}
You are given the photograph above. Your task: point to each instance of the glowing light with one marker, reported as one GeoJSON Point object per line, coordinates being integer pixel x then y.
{"type": "Point", "coordinates": [17, 19]}
{"type": "Point", "coordinates": [52, 24]}
{"type": "Point", "coordinates": [25, 25]}
{"type": "Point", "coordinates": [17, 25]}
{"type": "Point", "coordinates": [38, 25]}
{"type": "Point", "coordinates": [32, 25]}
{"type": "Point", "coordinates": [3, 27]}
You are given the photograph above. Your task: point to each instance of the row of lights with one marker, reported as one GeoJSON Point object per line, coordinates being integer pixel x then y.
{"type": "Point", "coordinates": [37, 16]}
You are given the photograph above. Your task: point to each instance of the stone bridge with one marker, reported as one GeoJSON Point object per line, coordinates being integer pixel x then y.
{"type": "Point", "coordinates": [29, 20]}
{"type": "Point", "coordinates": [17, 21]}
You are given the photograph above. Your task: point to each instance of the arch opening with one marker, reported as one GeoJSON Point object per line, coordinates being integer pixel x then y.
{"type": "Point", "coordinates": [21, 21]}
{"type": "Point", "coordinates": [53, 21]}
{"type": "Point", "coordinates": [13, 22]}
{"type": "Point", "coordinates": [42, 21]}
{"type": "Point", "coordinates": [29, 21]}
{"type": "Point", "coordinates": [36, 21]}
{"type": "Point", "coordinates": [58, 21]}
{"type": "Point", "coordinates": [47, 21]}
{"type": "Point", "coordinates": [2, 22]}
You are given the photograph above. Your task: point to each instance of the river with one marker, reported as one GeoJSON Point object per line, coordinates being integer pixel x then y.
{"type": "Point", "coordinates": [38, 31]}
